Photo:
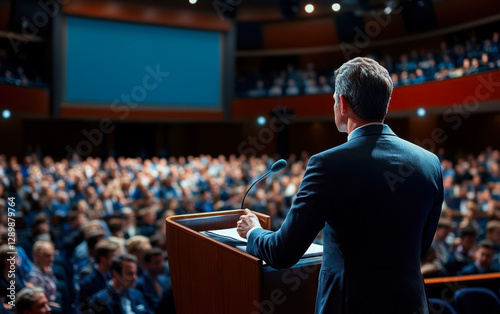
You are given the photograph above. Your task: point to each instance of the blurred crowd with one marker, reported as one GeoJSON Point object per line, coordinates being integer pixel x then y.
{"type": "Point", "coordinates": [467, 240]}
{"type": "Point", "coordinates": [86, 227]}
{"type": "Point", "coordinates": [413, 68]}
{"type": "Point", "coordinates": [15, 71]}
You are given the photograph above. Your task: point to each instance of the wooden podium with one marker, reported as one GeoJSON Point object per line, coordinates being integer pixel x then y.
{"type": "Point", "coordinates": [209, 276]}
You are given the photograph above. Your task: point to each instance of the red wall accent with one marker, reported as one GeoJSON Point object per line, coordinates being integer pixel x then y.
{"type": "Point", "coordinates": [25, 100]}
{"type": "Point", "coordinates": [428, 95]}
{"type": "Point", "coordinates": [143, 14]}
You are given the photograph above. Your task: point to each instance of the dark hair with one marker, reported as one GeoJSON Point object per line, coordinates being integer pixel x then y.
{"type": "Point", "coordinates": [486, 244]}
{"type": "Point", "coordinates": [468, 231]}
{"type": "Point", "coordinates": [104, 248]}
{"type": "Point", "coordinates": [149, 254]}
{"type": "Point", "coordinates": [117, 262]}
{"type": "Point", "coordinates": [367, 86]}
{"type": "Point", "coordinates": [94, 238]}
{"type": "Point", "coordinates": [26, 297]}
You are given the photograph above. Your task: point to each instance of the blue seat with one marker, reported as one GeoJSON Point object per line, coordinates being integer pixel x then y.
{"type": "Point", "coordinates": [476, 301]}
{"type": "Point", "coordinates": [437, 306]}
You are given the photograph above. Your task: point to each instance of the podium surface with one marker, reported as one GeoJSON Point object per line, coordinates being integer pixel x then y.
{"type": "Point", "coordinates": [209, 276]}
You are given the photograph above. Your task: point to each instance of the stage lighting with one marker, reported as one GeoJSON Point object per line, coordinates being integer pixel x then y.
{"type": "Point", "coordinates": [336, 7]}
{"type": "Point", "coordinates": [309, 8]}
{"type": "Point", "coordinates": [6, 114]}
{"type": "Point", "coordinates": [261, 120]}
{"type": "Point", "coordinates": [193, 1]}
{"type": "Point", "coordinates": [388, 10]}
{"type": "Point", "coordinates": [421, 112]}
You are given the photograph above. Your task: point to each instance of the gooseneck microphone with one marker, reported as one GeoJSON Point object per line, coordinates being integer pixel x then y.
{"type": "Point", "coordinates": [276, 167]}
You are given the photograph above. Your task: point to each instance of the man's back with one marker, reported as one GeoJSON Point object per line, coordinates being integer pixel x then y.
{"type": "Point", "coordinates": [378, 198]}
{"type": "Point", "coordinates": [387, 197]}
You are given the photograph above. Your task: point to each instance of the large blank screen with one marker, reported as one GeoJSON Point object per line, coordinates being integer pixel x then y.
{"type": "Point", "coordinates": [151, 65]}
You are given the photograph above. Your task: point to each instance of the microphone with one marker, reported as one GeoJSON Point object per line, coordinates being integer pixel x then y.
{"type": "Point", "coordinates": [276, 167]}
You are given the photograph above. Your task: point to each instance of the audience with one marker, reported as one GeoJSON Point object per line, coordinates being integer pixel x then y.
{"type": "Point", "coordinates": [415, 68]}
{"type": "Point", "coordinates": [144, 192]}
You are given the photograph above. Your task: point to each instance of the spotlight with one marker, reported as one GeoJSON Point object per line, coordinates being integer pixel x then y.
{"type": "Point", "coordinates": [261, 120]}
{"type": "Point", "coordinates": [388, 10]}
{"type": "Point", "coordinates": [336, 7]}
{"type": "Point", "coordinates": [6, 114]}
{"type": "Point", "coordinates": [421, 112]}
{"type": "Point", "coordinates": [309, 8]}
{"type": "Point", "coordinates": [193, 1]}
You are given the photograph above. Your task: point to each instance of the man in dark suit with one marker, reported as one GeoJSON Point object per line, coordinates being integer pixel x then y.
{"type": "Point", "coordinates": [377, 198]}
{"type": "Point", "coordinates": [119, 297]}
{"type": "Point", "coordinates": [154, 283]}
{"type": "Point", "coordinates": [98, 279]}
{"type": "Point", "coordinates": [484, 260]}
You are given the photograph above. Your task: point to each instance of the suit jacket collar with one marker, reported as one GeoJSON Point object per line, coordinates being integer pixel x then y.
{"type": "Point", "coordinates": [373, 129]}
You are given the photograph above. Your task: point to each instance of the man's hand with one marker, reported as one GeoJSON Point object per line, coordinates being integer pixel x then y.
{"type": "Point", "coordinates": [247, 222]}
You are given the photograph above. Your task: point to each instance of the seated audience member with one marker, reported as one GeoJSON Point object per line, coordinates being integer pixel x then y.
{"type": "Point", "coordinates": [32, 300]}
{"type": "Point", "coordinates": [463, 253]}
{"type": "Point", "coordinates": [148, 222]}
{"type": "Point", "coordinates": [493, 234]}
{"type": "Point", "coordinates": [311, 86]}
{"type": "Point", "coordinates": [136, 246]}
{"type": "Point", "coordinates": [41, 274]}
{"type": "Point", "coordinates": [395, 79]}
{"type": "Point", "coordinates": [98, 279]}
{"type": "Point", "coordinates": [443, 251]}
{"type": "Point", "coordinates": [129, 223]}
{"type": "Point", "coordinates": [153, 283]}
{"type": "Point", "coordinates": [85, 266]}
{"type": "Point", "coordinates": [259, 90]}
{"type": "Point", "coordinates": [74, 235]}
{"type": "Point", "coordinates": [120, 296]}
{"type": "Point", "coordinates": [485, 64]}
{"type": "Point", "coordinates": [323, 86]}
{"type": "Point", "coordinates": [292, 88]}
{"type": "Point", "coordinates": [474, 66]}
{"type": "Point", "coordinates": [483, 260]}
{"type": "Point", "coordinates": [419, 77]}
{"type": "Point", "coordinates": [466, 67]}
{"type": "Point", "coordinates": [116, 227]}
{"type": "Point", "coordinates": [204, 204]}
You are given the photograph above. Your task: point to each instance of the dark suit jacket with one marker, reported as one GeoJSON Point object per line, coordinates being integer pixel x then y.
{"type": "Point", "coordinates": [145, 285]}
{"type": "Point", "coordinates": [472, 269]}
{"type": "Point", "coordinates": [378, 198]}
{"type": "Point", "coordinates": [89, 286]}
{"type": "Point", "coordinates": [107, 301]}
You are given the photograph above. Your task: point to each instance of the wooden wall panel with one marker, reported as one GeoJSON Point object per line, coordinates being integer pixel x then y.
{"type": "Point", "coordinates": [25, 100]}
{"type": "Point", "coordinates": [299, 33]}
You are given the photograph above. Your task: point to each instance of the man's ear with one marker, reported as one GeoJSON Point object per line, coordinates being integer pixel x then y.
{"type": "Point", "coordinates": [344, 105]}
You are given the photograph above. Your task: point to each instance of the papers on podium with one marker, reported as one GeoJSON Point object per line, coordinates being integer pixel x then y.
{"type": "Point", "coordinates": [313, 250]}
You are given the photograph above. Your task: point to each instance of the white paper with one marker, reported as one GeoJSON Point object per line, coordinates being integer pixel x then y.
{"type": "Point", "coordinates": [230, 232]}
